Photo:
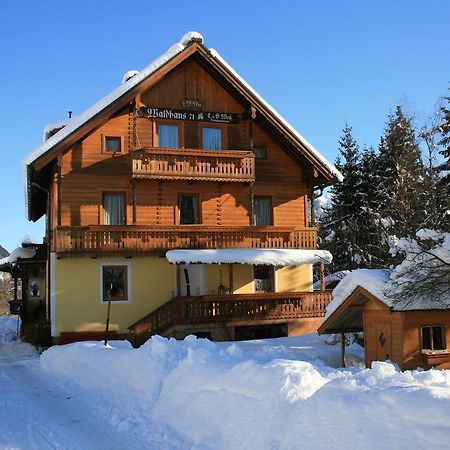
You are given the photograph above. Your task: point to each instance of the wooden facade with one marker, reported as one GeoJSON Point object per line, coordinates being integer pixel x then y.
{"type": "Point", "coordinates": [189, 132]}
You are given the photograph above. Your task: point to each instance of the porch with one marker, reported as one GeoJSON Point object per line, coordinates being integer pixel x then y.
{"type": "Point", "coordinates": [229, 310]}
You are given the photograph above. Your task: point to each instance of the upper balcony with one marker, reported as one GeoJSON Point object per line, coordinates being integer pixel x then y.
{"type": "Point", "coordinates": [193, 164]}
{"type": "Point", "coordinates": [110, 240]}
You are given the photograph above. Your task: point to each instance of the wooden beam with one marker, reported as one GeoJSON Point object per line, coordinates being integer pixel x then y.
{"type": "Point", "coordinates": [342, 336]}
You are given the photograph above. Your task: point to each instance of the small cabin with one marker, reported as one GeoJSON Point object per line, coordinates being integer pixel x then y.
{"type": "Point", "coordinates": [409, 332]}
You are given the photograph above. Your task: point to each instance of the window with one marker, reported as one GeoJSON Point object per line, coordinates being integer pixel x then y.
{"type": "Point", "coordinates": [262, 211]}
{"type": "Point", "coordinates": [114, 208]}
{"type": "Point", "coordinates": [168, 135]}
{"type": "Point", "coordinates": [264, 278]}
{"type": "Point", "coordinates": [260, 152]}
{"type": "Point", "coordinates": [113, 144]}
{"type": "Point", "coordinates": [212, 138]}
{"type": "Point", "coordinates": [115, 283]}
{"type": "Point", "coordinates": [433, 338]}
{"type": "Point", "coordinates": [188, 206]}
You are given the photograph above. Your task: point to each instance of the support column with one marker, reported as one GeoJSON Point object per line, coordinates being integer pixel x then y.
{"type": "Point", "coordinates": [134, 200]}
{"type": "Point", "coordinates": [342, 336]}
{"type": "Point", "coordinates": [322, 276]}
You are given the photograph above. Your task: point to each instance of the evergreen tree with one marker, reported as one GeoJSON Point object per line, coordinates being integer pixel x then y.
{"type": "Point", "coordinates": [444, 168]}
{"type": "Point", "coordinates": [339, 227]}
{"type": "Point", "coordinates": [400, 175]}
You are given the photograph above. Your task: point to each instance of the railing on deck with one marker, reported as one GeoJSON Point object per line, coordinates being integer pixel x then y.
{"type": "Point", "coordinates": [231, 308]}
{"type": "Point", "coordinates": [136, 239]}
{"type": "Point", "coordinates": [193, 164]}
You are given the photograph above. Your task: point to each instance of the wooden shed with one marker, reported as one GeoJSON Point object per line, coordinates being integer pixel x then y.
{"type": "Point", "coordinates": [411, 333]}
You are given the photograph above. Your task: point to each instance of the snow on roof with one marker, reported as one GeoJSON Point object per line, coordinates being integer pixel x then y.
{"type": "Point", "coordinates": [273, 257]}
{"type": "Point", "coordinates": [20, 252]}
{"type": "Point", "coordinates": [330, 278]}
{"type": "Point", "coordinates": [309, 146]}
{"type": "Point", "coordinates": [373, 280]}
{"type": "Point", "coordinates": [54, 126]}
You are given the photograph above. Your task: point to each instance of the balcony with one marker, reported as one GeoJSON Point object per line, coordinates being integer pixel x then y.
{"type": "Point", "coordinates": [193, 164]}
{"type": "Point", "coordinates": [231, 309]}
{"type": "Point", "coordinates": [104, 240]}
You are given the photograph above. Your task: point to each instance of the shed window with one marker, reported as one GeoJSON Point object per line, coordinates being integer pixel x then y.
{"type": "Point", "coordinates": [433, 338]}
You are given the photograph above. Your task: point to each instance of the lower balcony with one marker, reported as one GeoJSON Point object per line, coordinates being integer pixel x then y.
{"type": "Point", "coordinates": [231, 309]}
{"type": "Point", "coordinates": [104, 240]}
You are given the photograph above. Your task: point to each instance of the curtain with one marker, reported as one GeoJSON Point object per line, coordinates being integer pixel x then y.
{"type": "Point", "coordinates": [114, 207]}
{"type": "Point", "coordinates": [167, 136]}
{"type": "Point", "coordinates": [262, 211]}
{"type": "Point", "coordinates": [212, 138]}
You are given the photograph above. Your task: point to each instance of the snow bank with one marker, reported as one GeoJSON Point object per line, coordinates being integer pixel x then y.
{"type": "Point", "coordinates": [274, 394]}
{"type": "Point", "coordinates": [8, 328]}
{"type": "Point", "coordinates": [20, 252]}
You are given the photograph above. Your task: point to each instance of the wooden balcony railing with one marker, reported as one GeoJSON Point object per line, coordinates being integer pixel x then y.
{"type": "Point", "coordinates": [135, 239]}
{"type": "Point", "coordinates": [229, 309]}
{"type": "Point", "coordinates": [193, 164]}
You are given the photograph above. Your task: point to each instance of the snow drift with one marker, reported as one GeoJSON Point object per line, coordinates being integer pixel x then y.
{"type": "Point", "coordinates": [276, 394]}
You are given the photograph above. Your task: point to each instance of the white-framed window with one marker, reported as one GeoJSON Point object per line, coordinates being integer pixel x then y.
{"type": "Point", "coordinates": [115, 282]}
{"type": "Point", "coordinates": [211, 138]}
{"type": "Point", "coordinates": [168, 135]}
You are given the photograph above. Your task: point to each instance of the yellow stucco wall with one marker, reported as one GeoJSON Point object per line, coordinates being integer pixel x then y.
{"type": "Point", "coordinates": [294, 279]}
{"type": "Point", "coordinates": [220, 273]}
{"type": "Point", "coordinates": [78, 304]}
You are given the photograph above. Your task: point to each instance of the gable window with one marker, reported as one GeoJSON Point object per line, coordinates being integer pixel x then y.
{"type": "Point", "coordinates": [433, 338]}
{"type": "Point", "coordinates": [260, 152]}
{"type": "Point", "coordinates": [262, 211]}
{"type": "Point", "coordinates": [115, 283]}
{"type": "Point", "coordinates": [113, 144]}
{"type": "Point", "coordinates": [189, 210]}
{"type": "Point", "coordinates": [212, 138]}
{"type": "Point", "coordinates": [168, 135]}
{"type": "Point", "coordinates": [114, 208]}
{"type": "Point", "coordinates": [264, 278]}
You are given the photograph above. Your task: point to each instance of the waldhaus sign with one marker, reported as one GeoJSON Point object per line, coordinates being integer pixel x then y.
{"type": "Point", "coordinates": [180, 114]}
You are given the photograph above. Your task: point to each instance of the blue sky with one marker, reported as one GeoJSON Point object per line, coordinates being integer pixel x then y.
{"type": "Point", "coordinates": [319, 63]}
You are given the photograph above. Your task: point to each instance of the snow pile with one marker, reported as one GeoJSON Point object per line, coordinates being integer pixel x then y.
{"type": "Point", "coordinates": [274, 394]}
{"type": "Point", "coordinates": [274, 257]}
{"type": "Point", "coordinates": [8, 328]}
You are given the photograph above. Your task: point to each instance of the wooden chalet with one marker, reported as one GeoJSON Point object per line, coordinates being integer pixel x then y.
{"type": "Point", "coordinates": [182, 155]}
{"type": "Point", "coordinates": [409, 332]}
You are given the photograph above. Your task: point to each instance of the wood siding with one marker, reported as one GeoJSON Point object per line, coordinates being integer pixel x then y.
{"type": "Point", "coordinates": [88, 171]}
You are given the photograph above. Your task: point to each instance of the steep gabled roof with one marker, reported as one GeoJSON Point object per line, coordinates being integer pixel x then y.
{"type": "Point", "coordinates": [37, 164]}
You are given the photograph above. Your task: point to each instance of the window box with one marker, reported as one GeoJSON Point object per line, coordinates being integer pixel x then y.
{"type": "Point", "coordinates": [434, 358]}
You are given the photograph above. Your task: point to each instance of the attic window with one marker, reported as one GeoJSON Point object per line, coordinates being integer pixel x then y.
{"type": "Point", "coordinates": [113, 144]}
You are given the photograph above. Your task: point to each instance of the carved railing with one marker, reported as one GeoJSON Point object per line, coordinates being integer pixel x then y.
{"type": "Point", "coordinates": [231, 308]}
{"type": "Point", "coordinates": [193, 164]}
{"type": "Point", "coordinates": [135, 239]}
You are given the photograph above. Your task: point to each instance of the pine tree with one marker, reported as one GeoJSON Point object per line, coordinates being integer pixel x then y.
{"type": "Point", "coordinates": [444, 169]}
{"type": "Point", "coordinates": [400, 175]}
{"type": "Point", "coordinates": [339, 226]}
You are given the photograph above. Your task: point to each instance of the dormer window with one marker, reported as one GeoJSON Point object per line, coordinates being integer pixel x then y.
{"type": "Point", "coordinates": [113, 144]}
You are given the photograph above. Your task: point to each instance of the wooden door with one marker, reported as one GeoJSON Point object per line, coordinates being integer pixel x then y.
{"type": "Point", "coordinates": [383, 345]}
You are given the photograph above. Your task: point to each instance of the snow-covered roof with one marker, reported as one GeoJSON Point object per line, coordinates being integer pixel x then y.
{"type": "Point", "coordinates": [272, 257]}
{"type": "Point", "coordinates": [77, 122]}
{"type": "Point", "coordinates": [379, 283]}
{"type": "Point", "coordinates": [20, 252]}
{"type": "Point", "coordinates": [330, 278]}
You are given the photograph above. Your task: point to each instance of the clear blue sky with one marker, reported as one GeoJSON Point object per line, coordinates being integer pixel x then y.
{"type": "Point", "coordinates": [319, 63]}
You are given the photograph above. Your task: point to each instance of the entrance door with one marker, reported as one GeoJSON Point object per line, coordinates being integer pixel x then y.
{"type": "Point", "coordinates": [192, 279]}
{"type": "Point", "coordinates": [383, 341]}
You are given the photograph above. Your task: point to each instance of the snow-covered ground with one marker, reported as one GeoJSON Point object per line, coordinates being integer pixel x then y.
{"type": "Point", "coordinates": [195, 394]}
